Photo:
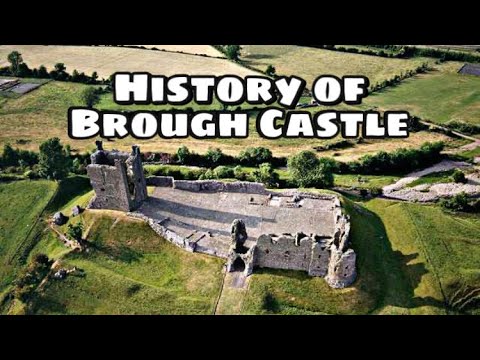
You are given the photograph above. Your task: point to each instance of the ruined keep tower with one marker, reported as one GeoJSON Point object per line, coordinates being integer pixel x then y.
{"type": "Point", "coordinates": [118, 179]}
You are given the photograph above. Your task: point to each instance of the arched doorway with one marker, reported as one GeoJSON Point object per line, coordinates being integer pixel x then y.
{"type": "Point", "coordinates": [239, 265]}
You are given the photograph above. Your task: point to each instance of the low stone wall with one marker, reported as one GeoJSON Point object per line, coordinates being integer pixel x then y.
{"type": "Point", "coordinates": [165, 233]}
{"type": "Point", "coordinates": [217, 186]}
{"type": "Point", "coordinates": [160, 181]}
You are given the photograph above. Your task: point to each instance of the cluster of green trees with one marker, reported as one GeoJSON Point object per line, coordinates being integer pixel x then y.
{"type": "Point", "coordinates": [306, 168]}
{"type": "Point", "coordinates": [398, 162]}
{"type": "Point", "coordinates": [31, 277]}
{"type": "Point", "coordinates": [254, 156]}
{"type": "Point", "coordinates": [397, 79]}
{"type": "Point", "coordinates": [19, 68]}
{"type": "Point", "coordinates": [461, 203]}
{"type": "Point", "coordinates": [53, 162]}
{"type": "Point", "coordinates": [232, 52]}
{"type": "Point", "coordinates": [265, 174]}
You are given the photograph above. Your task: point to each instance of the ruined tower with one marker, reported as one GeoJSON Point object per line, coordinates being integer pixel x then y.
{"type": "Point", "coordinates": [118, 179]}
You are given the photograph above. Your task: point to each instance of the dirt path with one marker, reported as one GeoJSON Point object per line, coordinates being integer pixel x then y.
{"type": "Point", "coordinates": [235, 288]}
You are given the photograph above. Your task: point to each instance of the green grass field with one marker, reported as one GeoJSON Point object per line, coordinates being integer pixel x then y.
{"type": "Point", "coordinates": [22, 204]}
{"type": "Point", "coordinates": [130, 271]}
{"type": "Point", "coordinates": [443, 177]}
{"type": "Point", "coordinates": [309, 63]}
{"type": "Point", "coordinates": [440, 96]}
{"type": "Point", "coordinates": [413, 259]}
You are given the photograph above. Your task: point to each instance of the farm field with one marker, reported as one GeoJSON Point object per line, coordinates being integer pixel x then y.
{"type": "Point", "coordinates": [26, 120]}
{"type": "Point", "coordinates": [310, 63]}
{"type": "Point", "coordinates": [440, 96]}
{"type": "Point", "coordinates": [413, 259]}
{"type": "Point", "coordinates": [207, 50]}
{"type": "Point", "coordinates": [108, 60]}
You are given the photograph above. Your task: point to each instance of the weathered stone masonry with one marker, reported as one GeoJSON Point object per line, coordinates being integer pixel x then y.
{"type": "Point", "coordinates": [119, 183]}
{"type": "Point", "coordinates": [118, 179]}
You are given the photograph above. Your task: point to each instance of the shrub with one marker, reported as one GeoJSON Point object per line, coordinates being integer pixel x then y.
{"type": "Point", "coordinates": [183, 155]}
{"type": "Point", "coordinates": [266, 175]}
{"type": "Point", "coordinates": [271, 71]}
{"type": "Point", "coordinates": [458, 203]}
{"type": "Point", "coordinates": [240, 174]}
{"type": "Point", "coordinates": [208, 175]}
{"type": "Point", "coordinates": [214, 157]}
{"type": "Point", "coordinates": [75, 232]}
{"type": "Point", "coordinates": [224, 172]}
{"type": "Point", "coordinates": [459, 177]}
{"type": "Point", "coordinates": [470, 129]}
{"type": "Point", "coordinates": [255, 156]}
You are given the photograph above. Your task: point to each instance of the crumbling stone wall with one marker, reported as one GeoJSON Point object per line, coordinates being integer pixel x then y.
{"type": "Point", "coordinates": [331, 258]}
{"type": "Point", "coordinates": [160, 181]}
{"type": "Point", "coordinates": [284, 252]}
{"type": "Point", "coordinates": [217, 186]}
{"type": "Point", "coordinates": [117, 179]}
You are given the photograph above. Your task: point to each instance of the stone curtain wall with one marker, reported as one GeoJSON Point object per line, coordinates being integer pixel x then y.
{"type": "Point", "coordinates": [216, 186]}
{"type": "Point", "coordinates": [165, 233]}
{"type": "Point", "coordinates": [283, 253]}
{"type": "Point", "coordinates": [324, 257]}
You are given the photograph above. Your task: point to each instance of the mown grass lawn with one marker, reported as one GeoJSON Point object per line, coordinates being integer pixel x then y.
{"type": "Point", "coordinates": [442, 177]}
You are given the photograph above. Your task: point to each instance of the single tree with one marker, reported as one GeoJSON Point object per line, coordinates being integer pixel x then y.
{"type": "Point", "coordinates": [183, 155]}
{"type": "Point", "coordinates": [10, 156]}
{"type": "Point", "coordinates": [271, 71]}
{"type": "Point", "coordinates": [214, 157]}
{"type": "Point", "coordinates": [232, 52]}
{"type": "Point", "coordinates": [308, 170]}
{"type": "Point", "coordinates": [54, 163]}
{"type": "Point", "coordinates": [90, 97]}
{"type": "Point", "coordinates": [15, 59]}
{"type": "Point", "coordinates": [266, 175]}
{"type": "Point", "coordinates": [42, 72]}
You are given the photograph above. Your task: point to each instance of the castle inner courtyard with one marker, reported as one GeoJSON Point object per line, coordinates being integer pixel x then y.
{"type": "Point", "coordinates": [206, 217]}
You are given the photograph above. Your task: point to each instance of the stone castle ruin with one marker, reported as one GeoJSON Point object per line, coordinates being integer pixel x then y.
{"type": "Point", "coordinates": [118, 179]}
{"type": "Point", "coordinates": [240, 222]}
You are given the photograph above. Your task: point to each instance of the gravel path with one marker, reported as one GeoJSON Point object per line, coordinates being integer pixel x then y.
{"type": "Point", "coordinates": [430, 193]}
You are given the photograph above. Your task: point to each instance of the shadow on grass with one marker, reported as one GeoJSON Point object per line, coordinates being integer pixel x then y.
{"type": "Point", "coordinates": [119, 252]}
{"type": "Point", "coordinates": [67, 190]}
{"type": "Point", "coordinates": [385, 275]}
{"type": "Point", "coordinates": [386, 278]}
